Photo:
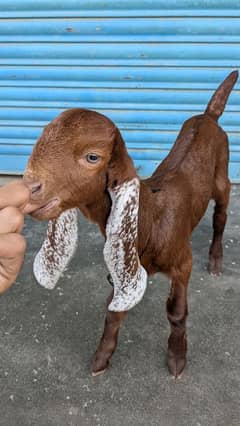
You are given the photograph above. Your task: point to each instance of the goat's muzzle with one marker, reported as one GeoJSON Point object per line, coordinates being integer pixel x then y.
{"type": "Point", "coordinates": [39, 204]}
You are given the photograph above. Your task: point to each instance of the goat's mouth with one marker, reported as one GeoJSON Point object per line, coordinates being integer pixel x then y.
{"type": "Point", "coordinates": [45, 209]}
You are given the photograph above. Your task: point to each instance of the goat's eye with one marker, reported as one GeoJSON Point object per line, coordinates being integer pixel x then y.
{"type": "Point", "coordinates": [92, 158]}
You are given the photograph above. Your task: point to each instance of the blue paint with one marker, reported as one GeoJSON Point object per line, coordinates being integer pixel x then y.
{"type": "Point", "coordinates": [181, 29]}
{"type": "Point", "coordinates": [99, 98]}
{"type": "Point", "coordinates": [144, 54]}
{"type": "Point", "coordinates": [113, 77]}
{"type": "Point", "coordinates": [148, 65]}
{"type": "Point", "coordinates": [112, 8]}
{"type": "Point", "coordinates": [126, 119]}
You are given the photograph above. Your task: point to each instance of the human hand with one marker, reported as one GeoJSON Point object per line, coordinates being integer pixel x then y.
{"type": "Point", "coordinates": [13, 198]}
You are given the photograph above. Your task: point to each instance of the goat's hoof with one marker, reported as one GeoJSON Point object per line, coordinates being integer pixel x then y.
{"type": "Point", "coordinates": [215, 267]}
{"type": "Point", "coordinates": [98, 366]}
{"type": "Point", "coordinates": [176, 366]}
{"type": "Point", "coordinates": [97, 373]}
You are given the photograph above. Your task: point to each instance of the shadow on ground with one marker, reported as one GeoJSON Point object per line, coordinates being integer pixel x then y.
{"type": "Point", "coordinates": [48, 338]}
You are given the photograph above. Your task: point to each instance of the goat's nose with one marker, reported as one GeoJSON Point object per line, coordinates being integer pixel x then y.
{"type": "Point", "coordinates": [34, 187]}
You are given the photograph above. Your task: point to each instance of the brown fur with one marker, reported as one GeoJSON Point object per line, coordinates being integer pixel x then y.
{"type": "Point", "coordinates": [172, 200]}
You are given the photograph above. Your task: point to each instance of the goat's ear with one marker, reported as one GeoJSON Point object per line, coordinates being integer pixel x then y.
{"type": "Point", "coordinates": [121, 247]}
{"type": "Point", "coordinates": [57, 249]}
{"type": "Point", "coordinates": [120, 168]}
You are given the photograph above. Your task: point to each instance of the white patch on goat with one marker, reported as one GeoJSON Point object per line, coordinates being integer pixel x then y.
{"type": "Point", "coordinates": [57, 249]}
{"type": "Point", "coordinates": [121, 251]}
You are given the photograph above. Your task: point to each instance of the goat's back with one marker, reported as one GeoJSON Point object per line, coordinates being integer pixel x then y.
{"type": "Point", "coordinates": [197, 159]}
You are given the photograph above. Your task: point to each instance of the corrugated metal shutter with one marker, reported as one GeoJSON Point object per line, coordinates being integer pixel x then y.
{"type": "Point", "coordinates": [147, 64]}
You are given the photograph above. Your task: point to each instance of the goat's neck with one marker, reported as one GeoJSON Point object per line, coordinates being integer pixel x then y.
{"type": "Point", "coordinates": [145, 217]}
{"type": "Point", "coordinates": [98, 211]}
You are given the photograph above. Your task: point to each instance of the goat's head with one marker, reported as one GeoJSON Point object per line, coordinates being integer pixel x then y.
{"type": "Point", "coordinates": [77, 156]}
{"type": "Point", "coordinates": [80, 156]}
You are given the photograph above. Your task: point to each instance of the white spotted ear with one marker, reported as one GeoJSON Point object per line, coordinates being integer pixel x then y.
{"type": "Point", "coordinates": [57, 249]}
{"type": "Point", "coordinates": [121, 251]}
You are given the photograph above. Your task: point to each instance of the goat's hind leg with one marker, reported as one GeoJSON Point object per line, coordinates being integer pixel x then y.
{"type": "Point", "coordinates": [108, 342]}
{"type": "Point", "coordinates": [177, 311]}
{"type": "Point", "coordinates": [219, 222]}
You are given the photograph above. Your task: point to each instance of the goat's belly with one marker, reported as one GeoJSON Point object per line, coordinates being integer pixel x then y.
{"type": "Point", "coordinates": [199, 207]}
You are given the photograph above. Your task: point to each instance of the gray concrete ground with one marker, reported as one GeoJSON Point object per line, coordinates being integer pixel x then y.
{"type": "Point", "coordinates": [48, 337]}
{"type": "Point", "coordinates": [4, 179]}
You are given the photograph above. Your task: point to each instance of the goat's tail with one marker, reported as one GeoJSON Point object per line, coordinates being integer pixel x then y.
{"type": "Point", "coordinates": [219, 99]}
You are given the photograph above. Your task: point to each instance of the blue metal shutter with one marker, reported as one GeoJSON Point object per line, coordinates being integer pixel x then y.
{"type": "Point", "coordinates": [147, 64]}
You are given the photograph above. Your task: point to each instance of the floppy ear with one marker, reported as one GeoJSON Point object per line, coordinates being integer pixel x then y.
{"type": "Point", "coordinates": [57, 249]}
{"type": "Point", "coordinates": [120, 167]}
{"type": "Point", "coordinates": [121, 247]}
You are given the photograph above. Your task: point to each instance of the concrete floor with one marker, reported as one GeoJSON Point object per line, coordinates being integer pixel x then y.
{"type": "Point", "coordinates": [4, 179]}
{"type": "Point", "coordinates": [48, 337]}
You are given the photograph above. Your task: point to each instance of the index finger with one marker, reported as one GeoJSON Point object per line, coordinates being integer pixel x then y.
{"type": "Point", "coordinates": [14, 194]}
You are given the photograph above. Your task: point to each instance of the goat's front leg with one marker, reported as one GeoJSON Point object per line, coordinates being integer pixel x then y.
{"type": "Point", "coordinates": [177, 311]}
{"type": "Point", "coordinates": [108, 342]}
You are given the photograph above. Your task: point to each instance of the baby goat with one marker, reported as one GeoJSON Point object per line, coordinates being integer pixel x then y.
{"type": "Point", "coordinates": [80, 161]}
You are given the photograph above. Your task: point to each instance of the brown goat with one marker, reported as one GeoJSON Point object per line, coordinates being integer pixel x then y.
{"type": "Point", "coordinates": [80, 161]}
